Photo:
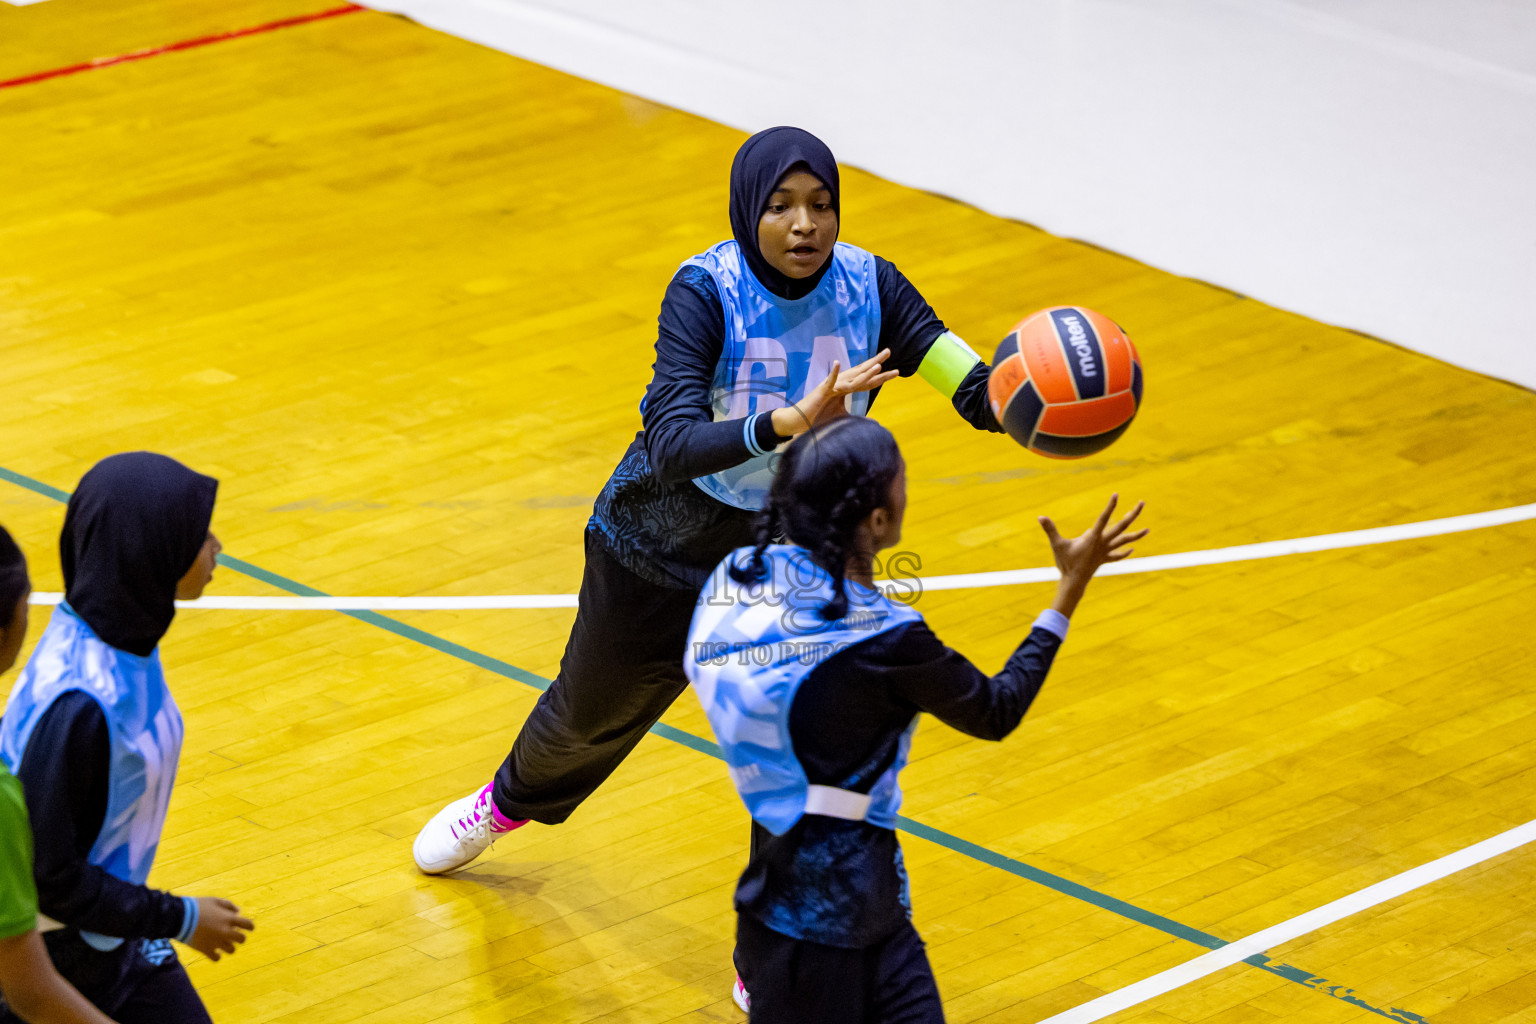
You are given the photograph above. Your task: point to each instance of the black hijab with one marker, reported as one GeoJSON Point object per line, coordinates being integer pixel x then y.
{"type": "Point", "coordinates": [133, 529]}
{"type": "Point", "coordinates": [761, 163]}
{"type": "Point", "coordinates": [13, 576]}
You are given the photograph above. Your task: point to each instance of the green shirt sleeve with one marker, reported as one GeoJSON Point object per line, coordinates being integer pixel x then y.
{"type": "Point", "coordinates": [18, 891]}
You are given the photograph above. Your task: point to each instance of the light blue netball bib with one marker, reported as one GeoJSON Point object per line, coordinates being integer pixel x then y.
{"type": "Point", "coordinates": [749, 648]}
{"type": "Point", "coordinates": [776, 348]}
{"type": "Point", "coordinates": [143, 723]}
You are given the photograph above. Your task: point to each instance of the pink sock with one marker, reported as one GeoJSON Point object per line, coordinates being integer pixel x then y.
{"type": "Point", "coordinates": [499, 822]}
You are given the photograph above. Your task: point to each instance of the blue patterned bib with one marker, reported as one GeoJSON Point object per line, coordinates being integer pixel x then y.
{"type": "Point", "coordinates": [144, 725]}
{"type": "Point", "coordinates": [749, 649]}
{"type": "Point", "coordinates": [776, 348]}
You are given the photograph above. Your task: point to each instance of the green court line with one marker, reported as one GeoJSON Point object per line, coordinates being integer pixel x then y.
{"type": "Point", "coordinates": [955, 844]}
{"type": "Point", "coordinates": [33, 485]}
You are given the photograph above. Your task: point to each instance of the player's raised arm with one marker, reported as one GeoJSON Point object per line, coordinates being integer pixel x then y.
{"type": "Point", "coordinates": [921, 344]}
{"type": "Point", "coordinates": [990, 707]}
{"type": "Point", "coordinates": [1078, 558]}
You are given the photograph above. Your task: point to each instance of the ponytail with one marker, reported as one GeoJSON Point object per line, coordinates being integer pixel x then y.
{"type": "Point", "coordinates": [765, 529]}
{"type": "Point", "coordinates": [13, 576]}
{"type": "Point", "coordinates": [828, 482]}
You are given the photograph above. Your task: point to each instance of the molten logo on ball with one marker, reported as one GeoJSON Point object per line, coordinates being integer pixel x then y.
{"type": "Point", "coordinates": [1079, 340]}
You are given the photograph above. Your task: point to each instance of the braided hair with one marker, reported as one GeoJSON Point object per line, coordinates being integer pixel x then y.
{"type": "Point", "coordinates": [13, 577]}
{"type": "Point", "coordinates": [828, 481]}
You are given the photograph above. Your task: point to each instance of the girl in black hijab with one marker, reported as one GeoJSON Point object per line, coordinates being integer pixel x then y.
{"type": "Point", "coordinates": [133, 527]}
{"type": "Point", "coordinates": [94, 736]}
{"type": "Point", "coordinates": [760, 337]}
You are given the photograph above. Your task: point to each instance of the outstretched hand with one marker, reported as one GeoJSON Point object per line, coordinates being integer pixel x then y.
{"type": "Point", "coordinates": [1080, 557]}
{"type": "Point", "coordinates": [824, 402]}
{"type": "Point", "coordinates": [220, 927]}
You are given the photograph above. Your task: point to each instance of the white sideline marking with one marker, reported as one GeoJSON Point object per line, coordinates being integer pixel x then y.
{"type": "Point", "coordinates": [1247, 552]}
{"type": "Point", "coordinates": [1258, 942]}
{"type": "Point", "coordinates": [359, 604]}
{"type": "Point", "coordinates": [961, 581]}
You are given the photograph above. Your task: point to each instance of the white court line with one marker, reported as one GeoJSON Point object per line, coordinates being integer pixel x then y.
{"type": "Point", "coordinates": [1258, 942]}
{"type": "Point", "coordinates": [962, 581]}
{"type": "Point", "coordinates": [1247, 552]}
{"type": "Point", "coordinates": [359, 604]}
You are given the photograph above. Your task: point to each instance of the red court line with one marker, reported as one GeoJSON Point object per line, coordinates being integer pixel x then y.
{"type": "Point", "coordinates": [185, 44]}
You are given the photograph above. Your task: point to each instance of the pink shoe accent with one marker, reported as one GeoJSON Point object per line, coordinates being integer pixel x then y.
{"type": "Point", "coordinates": [499, 822]}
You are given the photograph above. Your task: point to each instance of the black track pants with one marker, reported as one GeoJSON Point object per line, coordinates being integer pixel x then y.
{"type": "Point", "coordinates": [139, 982]}
{"type": "Point", "coordinates": [795, 982]}
{"type": "Point", "coordinates": [623, 667]}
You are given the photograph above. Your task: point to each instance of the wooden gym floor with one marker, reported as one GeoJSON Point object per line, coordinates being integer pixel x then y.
{"type": "Point", "coordinates": [398, 291]}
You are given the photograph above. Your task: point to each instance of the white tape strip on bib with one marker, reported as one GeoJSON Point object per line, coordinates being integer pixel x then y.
{"type": "Point", "coordinates": [836, 803]}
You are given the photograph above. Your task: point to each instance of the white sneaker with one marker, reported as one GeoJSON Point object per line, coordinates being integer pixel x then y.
{"type": "Point", "coordinates": [456, 835]}
{"type": "Point", "coordinates": [741, 997]}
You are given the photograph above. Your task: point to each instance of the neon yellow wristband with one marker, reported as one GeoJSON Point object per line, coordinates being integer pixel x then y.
{"type": "Point", "coordinates": [947, 363]}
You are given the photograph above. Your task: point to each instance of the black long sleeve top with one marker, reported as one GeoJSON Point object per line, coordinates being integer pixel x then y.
{"type": "Point", "coordinates": [842, 883]}
{"type": "Point", "coordinates": [64, 775]}
{"type": "Point", "coordinates": [651, 516]}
